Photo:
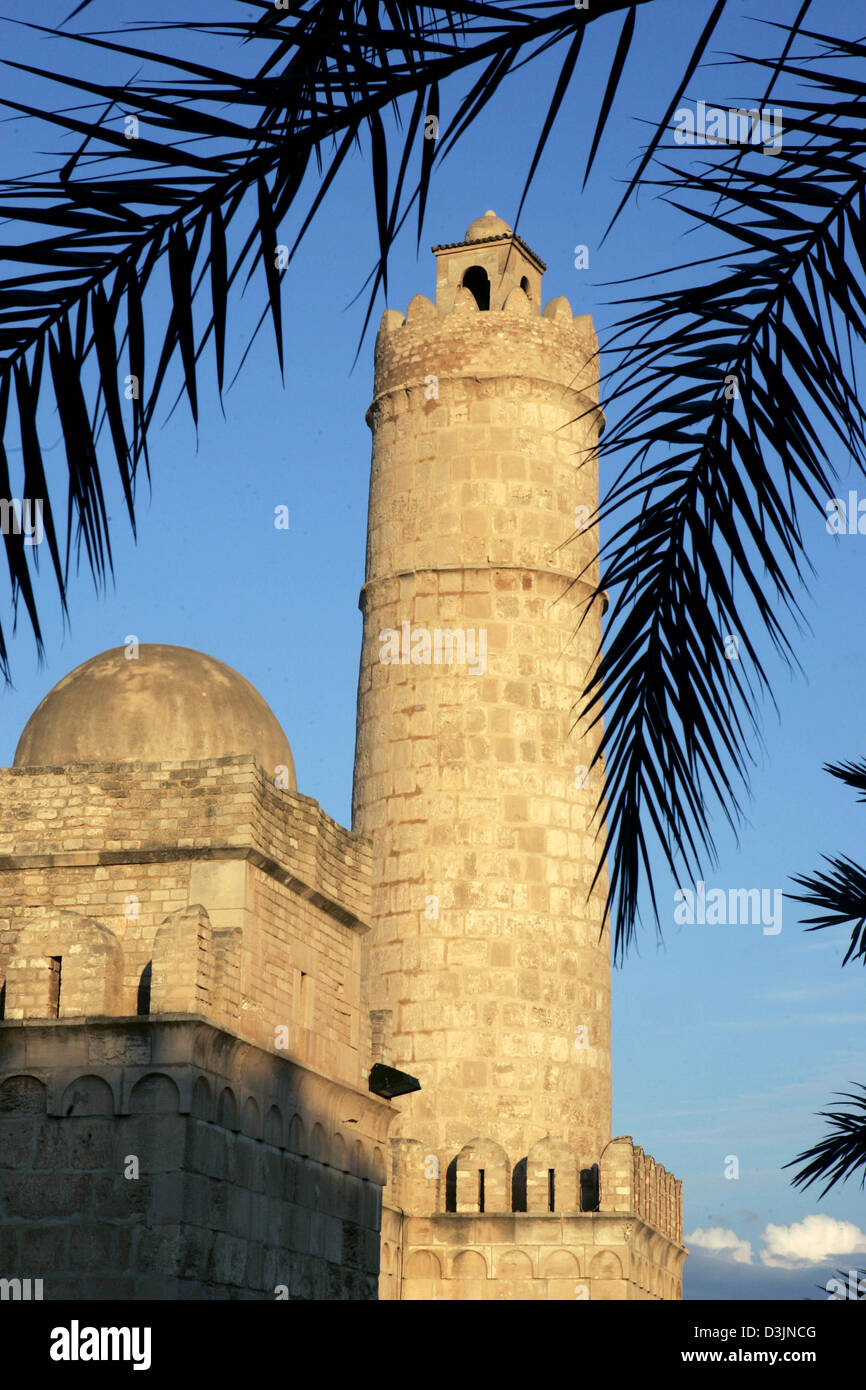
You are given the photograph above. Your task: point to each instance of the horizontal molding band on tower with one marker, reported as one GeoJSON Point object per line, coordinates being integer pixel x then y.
{"type": "Point", "coordinates": [456, 569]}
{"type": "Point", "coordinates": [580, 392]}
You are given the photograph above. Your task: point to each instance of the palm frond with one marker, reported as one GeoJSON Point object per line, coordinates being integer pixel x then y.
{"type": "Point", "coordinates": [738, 398]}
{"type": "Point", "coordinates": [842, 1153]}
{"type": "Point", "coordinates": [842, 893]}
{"type": "Point", "coordinates": [215, 146]}
{"type": "Point", "coordinates": [852, 1280]}
{"type": "Point", "coordinates": [852, 774]}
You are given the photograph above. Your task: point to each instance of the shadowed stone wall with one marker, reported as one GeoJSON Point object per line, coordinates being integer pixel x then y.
{"type": "Point", "coordinates": [253, 1174]}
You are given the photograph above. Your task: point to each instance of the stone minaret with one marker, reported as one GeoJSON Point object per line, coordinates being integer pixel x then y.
{"type": "Point", "coordinates": [486, 960]}
{"type": "Point", "coordinates": [487, 970]}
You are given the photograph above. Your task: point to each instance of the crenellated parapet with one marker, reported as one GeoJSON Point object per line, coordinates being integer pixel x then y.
{"type": "Point", "coordinates": [425, 350]}
{"type": "Point", "coordinates": [487, 323]}
{"type": "Point", "coordinates": [631, 1180]}
{"type": "Point", "coordinates": [551, 1177]}
{"type": "Point", "coordinates": [481, 1224]}
{"type": "Point", "coordinates": [658, 1195]}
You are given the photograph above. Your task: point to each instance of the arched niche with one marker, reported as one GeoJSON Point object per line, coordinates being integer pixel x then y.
{"type": "Point", "coordinates": [22, 1095]}
{"type": "Point", "coordinates": [202, 1100]}
{"type": "Point", "coordinates": [469, 1264]}
{"type": "Point", "coordinates": [227, 1109]}
{"type": "Point", "coordinates": [422, 1264]}
{"type": "Point", "coordinates": [87, 1095]}
{"type": "Point", "coordinates": [477, 282]}
{"type": "Point", "coordinates": [274, 1127]}
{"type": "Point", "coordinates": [154, 1095]}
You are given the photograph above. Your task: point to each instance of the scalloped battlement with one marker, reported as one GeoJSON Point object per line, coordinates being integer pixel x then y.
{"type": "Point", "coordinates": [428, 347]}
{"type": "Point", "coordinates": [473, 1227]}
{"type": "Point", "coordinates": [517, 305]}
{"type": "Point", "coordinates": [551, 1178]}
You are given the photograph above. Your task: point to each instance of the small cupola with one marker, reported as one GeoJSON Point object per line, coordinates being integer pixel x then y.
{"type": "Point", "coordinates": [488, 265]}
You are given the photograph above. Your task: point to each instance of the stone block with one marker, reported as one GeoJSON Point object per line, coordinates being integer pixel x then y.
{"type": "Point", "coordinates": [299, 1226]}
{"type": "Point", "coordinates": [353, 1245]}
{"type": "Point", "coordinates": [197, 1199]}
{"type": "Point", "coordinates": [272, 1173]}
{"type": "Point", "coordinates": [237, 1260]}
{"type": "Point", "coordinates": [62, 1288]}
{"type": "Point", "coordinates": [91, 1249]}
{"type": "Point", "coordinates": [260, 1221]}
{"type": "Point", "coordinates": [162, 1288]}
{"type": "Point", "coordinates": [275, 1264]}
{"type": "Point", "coordinates": [335, 1283]}
{"type": "Point", "coordinates": [43, 1250]}
{"type": "Point", "coordinates": [119, 1197]}
{"type": "Point", "coordinates": [10, 1241]}
{"type": "Point", "coordinates": [91, 1143]}
{"type": "Point", "coordinates": [332, 1244]}
{"type": "Point", "coordinates": [16, 1143]}
{"type": "Point", "coordinates": [239, 1211]}
{"type": "Point", "coordinates": [160, 1141]}
{"type": "Point", "coordinates": [195, 1252]}
{"type": "Point", "coordinates": [218, 1204]}
{"type": "Point", "coordinates": [110, 1288]}
{"type": "Point", "coordinates": [160, 1250]}
{"type": "Point", "coordinates": [169, 1197]}
{"type": "Point", "coordinates": [254, 1273]}
{"type": "Point", "coordinates": [37, 1197]}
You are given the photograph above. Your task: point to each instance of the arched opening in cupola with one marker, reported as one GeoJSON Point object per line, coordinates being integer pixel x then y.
{"type": "Point", "coordinates": [477, 281]}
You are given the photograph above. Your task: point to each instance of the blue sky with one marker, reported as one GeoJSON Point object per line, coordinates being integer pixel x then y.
{"type": "Point", "coordinates": [726, 1040]}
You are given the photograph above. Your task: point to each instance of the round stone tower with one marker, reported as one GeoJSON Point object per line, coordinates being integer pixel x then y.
{"type": "Point", "coordinates": [488, 973]}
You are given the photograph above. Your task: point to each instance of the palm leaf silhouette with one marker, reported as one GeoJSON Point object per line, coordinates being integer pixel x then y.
{"type": "Point", "coordinates": [843, 896]}
{"type": "Point", "coordinates": [218, 146]}
{"type": "Point", "coordinates": [739, 395]}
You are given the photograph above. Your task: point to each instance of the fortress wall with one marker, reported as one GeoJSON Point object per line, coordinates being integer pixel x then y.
{"type": "Point", "coordinates": [165, 1160]}
{"type": "Point", "coordinates": [585, 1257]}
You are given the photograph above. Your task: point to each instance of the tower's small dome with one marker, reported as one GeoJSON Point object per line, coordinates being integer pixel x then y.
{"type": "Point", "coordinates": [488, 225]}
{"type": "Point", "coordinates": [168, 704]}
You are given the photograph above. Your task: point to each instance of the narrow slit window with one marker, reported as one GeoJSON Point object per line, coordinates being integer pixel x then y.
{"type": "Point", "coordinates": [55, 964]}
{"type": "Point", "coordinates": [480, 1189]}
{"type": "Point", "coordinates": [305, 1001]}
{"type": "Point", "coordinates": [551, 1189]}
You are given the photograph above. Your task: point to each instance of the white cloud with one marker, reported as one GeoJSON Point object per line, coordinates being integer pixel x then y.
{"type": "Point", "coordinates": [810, 1241]}
{"type": "Point", "coordinates": [723, 1242]}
